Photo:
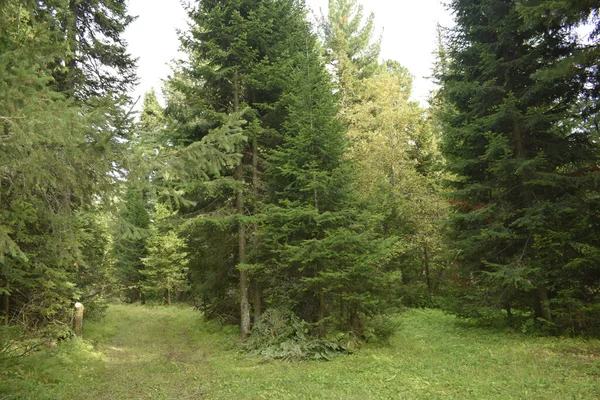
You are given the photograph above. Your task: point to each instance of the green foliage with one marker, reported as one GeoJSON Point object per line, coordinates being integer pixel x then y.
{"type": "Point", "coordinates": [48, 372]}
{"type": "Point", "coordinates": [432, 356]}
{"type": "Point", "coordinates": [96, 62]}
{"type": "Point", "coordinates": [58, 168]}
{"type": "Point", "coordinates": [380, 329]}
{"type": "Point", "coordinates": [323, 257]}
{"type": "Point", "coordinates": [394, 145]}
{"type": "Point", "coordinates": [11, 342]}
{"type": "Point", "coordinates": [348, 41]}
{"type": "Point", "coordinates": [523, 156]}
{"type": "Point", "coordinates": [165, 272]}
{"type": "Point", "coordinates": [129, 240]}
{"type": "Point", "coordinates": [280, 334]}
{"type": "Point", "coordinates": [241, 54]}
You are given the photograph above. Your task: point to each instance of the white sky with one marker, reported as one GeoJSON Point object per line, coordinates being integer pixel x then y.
{"type": "Point", "coordinates": [408, 26]}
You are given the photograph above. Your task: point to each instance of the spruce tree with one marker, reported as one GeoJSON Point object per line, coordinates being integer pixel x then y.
{"type": "Point", "coordinates": [131, 225]}
{"type": "Point", "coordinates": [56, 165]}
{"type": "Point", "coordinates": [238, 52]}
{"type": "Point", "coordinates": [165, 267]}
{"type": "Point", "coordinates": [322, 253]}
{"type": "Point", "coordinates": [522, 194]}
{"type": "Point", "coordinates": [96, 62]}
{"type": "Point", "coordinates": [129, 240]}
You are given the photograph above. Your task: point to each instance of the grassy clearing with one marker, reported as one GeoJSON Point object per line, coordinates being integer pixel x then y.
{"type": "Point", "coordinates": [169, 353]}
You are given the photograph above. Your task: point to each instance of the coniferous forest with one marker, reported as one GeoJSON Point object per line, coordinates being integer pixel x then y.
{"type": "Point", "coordinates": [289, 185]}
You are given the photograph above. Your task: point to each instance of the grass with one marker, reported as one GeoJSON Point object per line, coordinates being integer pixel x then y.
{"type": "Point", "coordinates": [169, 353]}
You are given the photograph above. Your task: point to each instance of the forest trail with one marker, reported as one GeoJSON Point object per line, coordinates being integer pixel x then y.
{"type": "Point", "coordinates": [149, 353]}
{"type": "Point", "coordinates": [142, 352]}
{"type": "Point", "coordinates": [171, 353]}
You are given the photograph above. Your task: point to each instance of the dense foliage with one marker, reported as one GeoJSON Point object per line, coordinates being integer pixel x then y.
{"type": "Point", "coordinates": [518, 139]}
{"type": "Point", "coordinates": [289, 183]}
{"type": "Point", "coordinates": [60, 153]}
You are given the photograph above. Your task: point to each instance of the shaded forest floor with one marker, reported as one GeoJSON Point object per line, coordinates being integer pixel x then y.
{"type": "Point", "coordinates": [170, 353]}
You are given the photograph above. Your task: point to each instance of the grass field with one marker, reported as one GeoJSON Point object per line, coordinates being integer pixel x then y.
{"type": "Point", "coordinates": [169, 353]}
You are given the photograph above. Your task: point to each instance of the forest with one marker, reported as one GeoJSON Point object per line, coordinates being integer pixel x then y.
{"type": "Point", "coordinates": [289, 185]}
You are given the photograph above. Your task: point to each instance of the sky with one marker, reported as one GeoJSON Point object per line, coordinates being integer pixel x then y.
{"type": "Point", "coordinates": [408, 28]}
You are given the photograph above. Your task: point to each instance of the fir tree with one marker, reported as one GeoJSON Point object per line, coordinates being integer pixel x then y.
{"type": "Point", "coordinates": [238, 66]}
{"type": "Point", "coordinates": [129, 240]}
{"type": "Point", "coordinates": [323, 255]}
{"type": "Point", "coordinates": [96, 62]}
{"type": "Point", "coordinates": [511, 137]}
{"type": "Point", "coordinates": [56, 166]}
{"type": "Point", "coordinates": [165, 272]}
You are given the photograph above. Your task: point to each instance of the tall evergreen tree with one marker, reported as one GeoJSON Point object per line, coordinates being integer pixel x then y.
{"type": "Point", "coordinates": [323, 257]}
{"type": "Point", "coordinates": [56, 165]}
{"type": "Point", "coordinates": [573, 18]}
{"type": "Point", "coordinates": [165, 272]}
{"type": "Point", "coordinates": [523, 186]}
{"type": "Point", "coordinates": [129, 237]}
{"type": "Point", "coordinates": [131, 225]}
{"type": "Point", "coordinates": [237, 53]}
{"type": "Point", "coordinates": [96, 62]}
{"type": "Point", "coordinates": [349, 45]}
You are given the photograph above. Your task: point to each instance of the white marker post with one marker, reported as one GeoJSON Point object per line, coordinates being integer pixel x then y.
{"type": "Point", "coordinates": [78, 323]}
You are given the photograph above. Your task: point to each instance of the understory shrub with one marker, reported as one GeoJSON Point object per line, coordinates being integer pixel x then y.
{"type": "Point", "coordinates": [380, 329]}
{"type": "Point", "coordinates": [280, 334]}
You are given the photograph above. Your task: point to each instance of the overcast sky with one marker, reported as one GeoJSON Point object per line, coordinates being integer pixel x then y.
{"type": "Point", "coordinates": [408, 27]}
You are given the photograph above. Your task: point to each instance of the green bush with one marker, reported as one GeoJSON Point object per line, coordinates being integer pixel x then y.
{"type": "Point", "coordinates": [380, 329]}
{"type": "Point", "coordinates": [9, 341]}
{"type": "Point", "coordinates": [95, 308]}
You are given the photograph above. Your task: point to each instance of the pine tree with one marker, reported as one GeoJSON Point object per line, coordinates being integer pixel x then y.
{"type": "Point", "coordinates": [521, 193]}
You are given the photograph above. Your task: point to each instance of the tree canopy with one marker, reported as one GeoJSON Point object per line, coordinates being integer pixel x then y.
{"type": "Point", "coordinates": [289, 177]}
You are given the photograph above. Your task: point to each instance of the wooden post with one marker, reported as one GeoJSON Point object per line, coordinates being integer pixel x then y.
{"type": "Point", "coordinates": [78, 323]}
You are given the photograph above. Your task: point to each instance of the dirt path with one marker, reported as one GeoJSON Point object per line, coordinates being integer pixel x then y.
{"type": "Point", "coordinates": [150, 354]}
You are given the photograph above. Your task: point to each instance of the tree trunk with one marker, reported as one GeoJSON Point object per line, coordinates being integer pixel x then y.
{"type": "Point", "coordinates": [542, 306]}
{"type": "Point", "coordinates": [256, 306]}
{"type": "Point", "coordinates": [6, 307]}
{"type": "Point", "coordinates": [244, 276]}
{"type": "Point", "coordinates": [71, 59]}
{"type": "Point", "coordinates": [244, 285]}
{"type": "Point", "coordinates": [393, 161]}
{"type": "Point", "coordinates": [427, 272]}
{"type": "Point", "coordinates": [322, 328]}
{"type": "Point", "coordinates": [509, 314]}
{"type": "Point", "coordinates": [255, 183]}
